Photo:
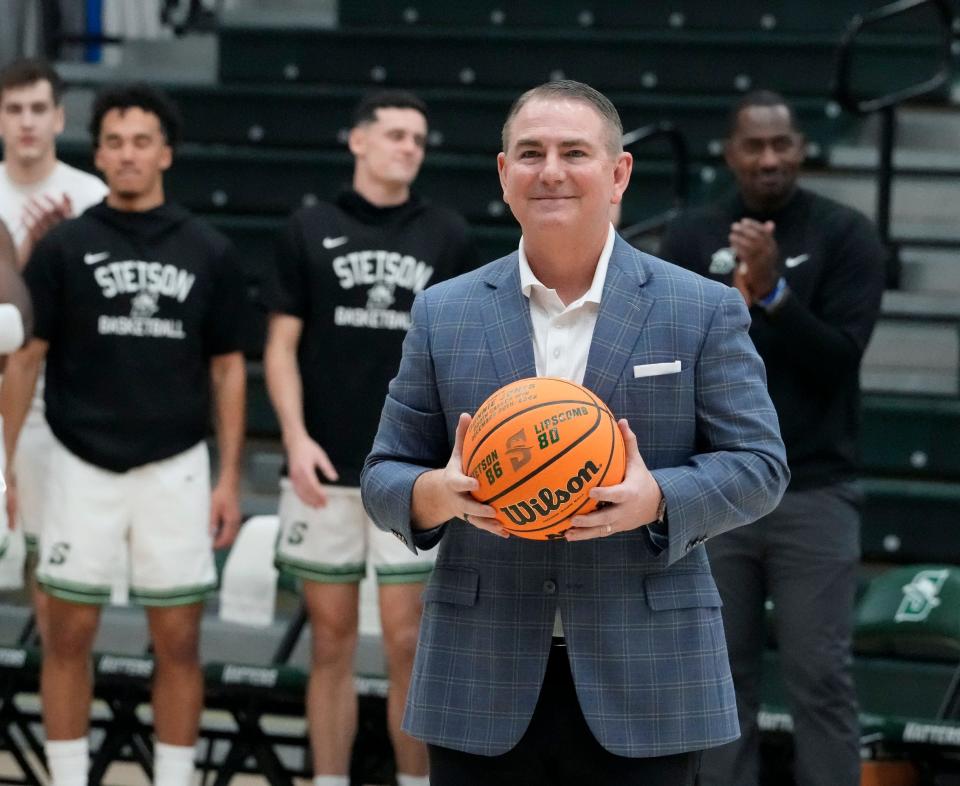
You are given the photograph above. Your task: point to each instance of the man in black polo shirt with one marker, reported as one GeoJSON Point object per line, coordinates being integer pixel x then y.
{"type": "Point", "coordinates": [811, 271]}
{"type": "Point", "coordinates": [138, 306]}
{"type": "Point", "coordinates": [348, 273]}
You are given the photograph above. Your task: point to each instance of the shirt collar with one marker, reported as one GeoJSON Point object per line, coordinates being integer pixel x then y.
{"type": "Point", "coordinates": [528, 280]}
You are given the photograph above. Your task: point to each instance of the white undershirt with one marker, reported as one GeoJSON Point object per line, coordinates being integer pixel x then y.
{"type": "Point", "coordinates": [562, 334]}
{"type": "Point", "coordinates": [84, 191]}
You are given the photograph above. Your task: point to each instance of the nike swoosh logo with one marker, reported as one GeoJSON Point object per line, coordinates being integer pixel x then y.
{"type": "Point", "coordinates": [92, 259]}
{"type": "Point", "coordinates": [794, 261]}
{"type": "Point", "coordinates": [334, 242]}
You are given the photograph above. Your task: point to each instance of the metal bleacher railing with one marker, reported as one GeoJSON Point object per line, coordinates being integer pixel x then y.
{"type": "Point", "coordinates": [887, 105]}
{"type": "Point", "coordinates": [681, 173]}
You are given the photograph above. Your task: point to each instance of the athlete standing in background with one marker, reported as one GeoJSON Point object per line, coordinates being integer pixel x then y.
{"type": "Point", "coordinates": [348, 273]}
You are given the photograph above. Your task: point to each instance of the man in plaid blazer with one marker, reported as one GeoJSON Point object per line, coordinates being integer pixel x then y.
{"type": "Point", "coordinates": [598, 658]}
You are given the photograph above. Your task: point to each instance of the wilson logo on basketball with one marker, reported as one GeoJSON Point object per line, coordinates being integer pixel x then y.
{"type": "Point", "coordinates": [547, 501]}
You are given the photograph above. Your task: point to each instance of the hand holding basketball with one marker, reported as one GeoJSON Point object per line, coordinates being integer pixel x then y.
{"type": "Point", "coordinates": [444, 494]}
{"type": "Point", "coordinates": [629, 505]}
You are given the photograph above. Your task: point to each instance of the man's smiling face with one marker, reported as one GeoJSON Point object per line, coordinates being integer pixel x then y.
{"type": "Point", "coordinates": [560, 168]}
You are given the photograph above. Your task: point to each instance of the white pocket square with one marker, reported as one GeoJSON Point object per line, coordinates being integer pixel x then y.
{"type": "Point", "coordinates": [656, 369]}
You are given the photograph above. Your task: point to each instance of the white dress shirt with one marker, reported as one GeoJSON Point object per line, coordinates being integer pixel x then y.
{"type": "Point", "coordinates": [562, 334]}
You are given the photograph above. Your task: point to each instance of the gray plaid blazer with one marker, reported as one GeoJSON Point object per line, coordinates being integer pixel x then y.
{"type": "Point", "coordinates": [643, 627]}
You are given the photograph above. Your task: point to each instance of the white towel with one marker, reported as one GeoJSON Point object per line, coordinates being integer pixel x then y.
{"type": "Point", "coordinates": [248, 586]}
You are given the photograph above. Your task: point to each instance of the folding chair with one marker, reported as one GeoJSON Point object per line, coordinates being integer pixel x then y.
{"type": "Point", "coordinates": [19, 674]}
{"type": "Point", "coordinates": [248, 692]}
{"type": "Point", "coordinates": [123, 683]}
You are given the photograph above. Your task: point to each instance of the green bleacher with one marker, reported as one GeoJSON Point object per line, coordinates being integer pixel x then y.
{"type": "Point", "coordinates": [318, 116]}
{"type": "Point", "coordinates": [748, 15]}
{"type": "Point", "coordinates": [695, 62]}
{"type": "Point", "coordinates": [911, 436]}
{"type": "Point", "coordinates": [906, 520]}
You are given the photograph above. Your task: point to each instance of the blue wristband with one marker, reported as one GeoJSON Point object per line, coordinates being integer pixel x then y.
{"type": "Point", "coordinates": [773, 299]}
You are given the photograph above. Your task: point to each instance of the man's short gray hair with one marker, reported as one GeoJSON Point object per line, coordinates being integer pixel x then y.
{"type": "Point", "coordinates": [571, 91]}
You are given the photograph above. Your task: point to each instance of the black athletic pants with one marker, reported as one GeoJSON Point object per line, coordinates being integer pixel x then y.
{"type": "Point", "coordinates": [804, 556]}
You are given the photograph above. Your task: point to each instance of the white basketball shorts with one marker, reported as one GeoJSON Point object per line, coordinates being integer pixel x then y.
{"type": "Point", "coordinates": [159, 514]}
{"type": "Point", "coordinates": [332, 544]}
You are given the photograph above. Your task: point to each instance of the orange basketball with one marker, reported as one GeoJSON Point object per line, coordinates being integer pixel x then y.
{"type": "Point", "coordinates": [537, 446]}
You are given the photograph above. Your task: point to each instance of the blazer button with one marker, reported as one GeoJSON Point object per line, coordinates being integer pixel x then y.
{"type": "Point", "coordinates": [549, 587]}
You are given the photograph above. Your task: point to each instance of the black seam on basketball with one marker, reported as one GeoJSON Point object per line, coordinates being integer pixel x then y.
{"type": "Point", "coordinates": [549, 523]}
{"type": "Point", "coordinates": [562, 453]}
{"type": "Point", "coordinates": [517, 414]}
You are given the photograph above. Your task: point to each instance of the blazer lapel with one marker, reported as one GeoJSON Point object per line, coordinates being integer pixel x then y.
{"type": "Point", "coordinates": [624, 308]}
{"type": "Point", "coordinates": [506, 319]}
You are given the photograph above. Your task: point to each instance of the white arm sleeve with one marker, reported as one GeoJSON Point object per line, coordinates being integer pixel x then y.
{"type": "Point", "coordinates": [11, 328]}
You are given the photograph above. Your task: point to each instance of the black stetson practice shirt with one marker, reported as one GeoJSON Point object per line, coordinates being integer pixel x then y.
{"type": "Point", "coordinates": [350, 271]}
{"type": "Point", "coordinates": [133, 305]}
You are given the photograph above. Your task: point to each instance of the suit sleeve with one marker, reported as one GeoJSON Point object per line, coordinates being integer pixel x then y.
{"type": "Point", "coordinates": [739, 471]}
{"type": "Point", "coordinates": [412, 437]}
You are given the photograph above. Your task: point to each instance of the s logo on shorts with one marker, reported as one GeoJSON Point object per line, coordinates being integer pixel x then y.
{"type": "Point", "coordinates": [295, 535]}
{"type": "Point", "coordinates": [59, 553]}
